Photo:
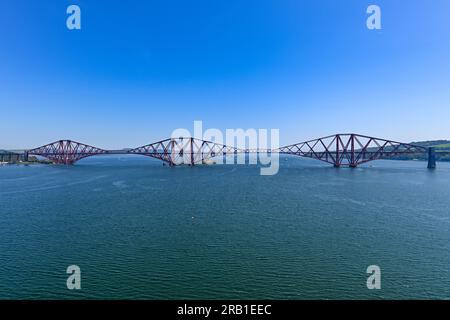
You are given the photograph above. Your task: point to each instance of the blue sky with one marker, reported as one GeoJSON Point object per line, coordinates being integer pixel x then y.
{"type": "Point", "coordinates": [139, 69]}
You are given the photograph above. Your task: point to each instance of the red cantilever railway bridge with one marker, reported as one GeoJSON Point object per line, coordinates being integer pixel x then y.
{"type": "Point", "coordinates": [340, 150]}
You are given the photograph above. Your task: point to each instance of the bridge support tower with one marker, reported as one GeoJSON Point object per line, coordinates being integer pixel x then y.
{"type": "Point", "coordinates": [431, 158]}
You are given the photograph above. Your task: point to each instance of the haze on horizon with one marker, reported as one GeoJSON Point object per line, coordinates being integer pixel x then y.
{"type": "Point", "coordinates": [138, 70]}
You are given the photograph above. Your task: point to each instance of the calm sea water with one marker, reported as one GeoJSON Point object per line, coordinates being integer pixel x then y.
{"type": "Point", "coordinates": [141, 230]}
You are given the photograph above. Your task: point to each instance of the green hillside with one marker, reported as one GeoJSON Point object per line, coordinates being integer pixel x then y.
{"type": "Point", "coordinates": [443, 146]}
{"type": "Point", "coordinates": [438, 144]}
{"type": "Point", "coordinates": [442, 150]}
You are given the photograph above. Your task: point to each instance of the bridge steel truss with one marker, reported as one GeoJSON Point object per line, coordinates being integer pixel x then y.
{"type": "Point", "coordinates": [350, 150]}
{"type": "Point", "coordinates": [174, 151]}
{"type": "Point", "coordinates": [340, 150]}
{"type": "Point", "coordinates": [190, 151]}
{"type": "Point", "coordinates": [65, 151]}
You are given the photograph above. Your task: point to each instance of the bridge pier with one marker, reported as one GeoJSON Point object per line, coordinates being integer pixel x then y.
{"type": "Point", "coordinates": [431, 158]}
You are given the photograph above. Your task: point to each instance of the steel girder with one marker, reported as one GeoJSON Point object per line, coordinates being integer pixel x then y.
{"type": "Point", "coordinates": [350, 149]}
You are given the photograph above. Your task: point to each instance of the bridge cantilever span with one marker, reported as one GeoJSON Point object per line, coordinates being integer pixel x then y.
{"type": "Point", "coordinates": [65, 151]}
{"type": "Point", "coordinates": [184, 150]}
{"type": "Point", "coordinates": [340, 150]}
{"type": "Point", "coordinates": [351, 150]}
{"type": "Point", "coordinates": [174, 151]}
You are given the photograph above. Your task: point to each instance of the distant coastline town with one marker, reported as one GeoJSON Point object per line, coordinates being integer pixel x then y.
{"type": "Point", "coordinates": [17, 157]}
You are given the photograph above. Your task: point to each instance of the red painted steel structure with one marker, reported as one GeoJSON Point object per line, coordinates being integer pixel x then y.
{"type": "Point", "coordinates": [174, 151]}
{"type": "Point", "coordinates": [350, 150]}
{"type": "Point", "coordinates": [190, 151]}
{"type": "Point", "coordinates": [66, 151]}
{"type": "Point", "coordinates": [340, 150]}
